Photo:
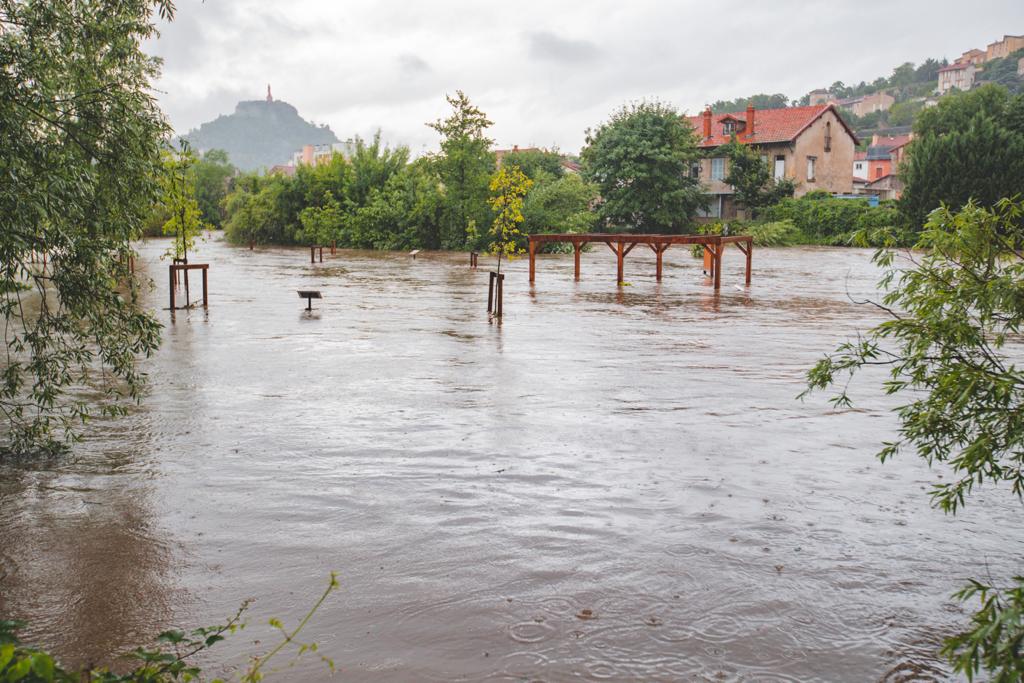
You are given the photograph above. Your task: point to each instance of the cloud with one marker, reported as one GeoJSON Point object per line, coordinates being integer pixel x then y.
{"type": "Point", "coordinates": [543, 72]}
{"type": "Point", "coordinates": [547, 46]}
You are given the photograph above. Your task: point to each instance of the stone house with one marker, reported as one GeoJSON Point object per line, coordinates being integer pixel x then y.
{"type": "Point", "coordinates": [862, 106]}
{"type": "Point", "coordinates": [812, 146]}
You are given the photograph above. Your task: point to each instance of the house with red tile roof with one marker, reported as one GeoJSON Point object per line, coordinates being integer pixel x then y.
{"type": "Point", "coordinates": [812, 146]}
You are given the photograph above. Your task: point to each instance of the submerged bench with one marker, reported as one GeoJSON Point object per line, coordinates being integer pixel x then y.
{"type": "Point", "coordinates": [309, 295]}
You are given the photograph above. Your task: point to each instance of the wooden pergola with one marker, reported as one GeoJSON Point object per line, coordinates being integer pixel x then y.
{"type": "Point", "coordinates": [622, 243]}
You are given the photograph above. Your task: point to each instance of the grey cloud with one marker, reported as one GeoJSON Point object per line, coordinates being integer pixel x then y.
{"type": "Point", "coordinates": [413, 65]}
{"type": "Point", "coordinates": [542, 71]}
{"type": "Point", "coordinates": [547, 46]}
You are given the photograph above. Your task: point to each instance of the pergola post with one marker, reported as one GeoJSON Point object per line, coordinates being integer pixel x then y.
{"type": "Point", "coordinates": [659, 251]}
{"type": "Point", "coordinates": [619, 252]}
{"type": "Point", "coordinates": [718, 265]}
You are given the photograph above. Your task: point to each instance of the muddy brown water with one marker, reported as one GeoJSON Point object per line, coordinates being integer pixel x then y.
{"type": "Point", "coordinates": [637, 452]}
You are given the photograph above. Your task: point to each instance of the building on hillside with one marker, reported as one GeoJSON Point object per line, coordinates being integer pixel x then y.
{"type": "Point", "coordinates": [819, 96]}
{"type": "Point", "coordinates": [974, 56]}
{"type": "Point", "coordinates": [1004, 48]}
{"type": "Point", "coordinates": [876, 171]}
{"type": "Point", "coordinates": [898, 152]}
{"type": "Point", "coordinates": [861, 106]}
{"type": "Point", "coordinates": [314, 155]}
{"type": "Point", "coordinates": [571, 166]}
{"type": "Point", "coordinates": [812, 146]}
{"type": "Point", "coordinates": [1020, 66]}
{"type": "Point", "coordinates": [959, 76]}
{"type": "Point", "coordinates": [879, 162]}
{"type": "Point", "coordinates": [860, 167]}
{"type": "Point", "coordinates": [887, 187]}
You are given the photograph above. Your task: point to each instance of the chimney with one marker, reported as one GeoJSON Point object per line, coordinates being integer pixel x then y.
{"type": "Point", "coordinates": [707, 122]}
{"type": "Point", "coordinates": [750, 120]}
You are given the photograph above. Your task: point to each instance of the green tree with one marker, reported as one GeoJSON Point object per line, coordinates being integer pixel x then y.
{"type": "Point", "coordinates": [559, 205]}
{"type": "Point", "coordinates": [80, 134]}
{"type": "Point", "coordinates": [212, 173]}
{"type": "Point", "coordinates": [752, 177]}
{"type": "Point", "coordinates": [951, 317]}
{"type": "Point", "coordinates": [968, 147]}
{"type": "Point", "coordinates": [508, 188]}
{"type": "Point", "coordinates": [904, 113]}
{"type": "Point", "coordinates": [534, 162]}
{"type": "Point", "coordinates": [759, 101]}
{"type": "Point", "coordinates": [465, 165]}
{"type": "Point", "coordinates": [640, 161]}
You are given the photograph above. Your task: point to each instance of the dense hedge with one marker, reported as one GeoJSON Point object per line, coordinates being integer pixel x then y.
{"type": "Point", "coordinates": [826, 220]}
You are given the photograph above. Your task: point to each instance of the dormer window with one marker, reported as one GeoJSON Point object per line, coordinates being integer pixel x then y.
{"type": "Point", "coordinates": [728, 128]}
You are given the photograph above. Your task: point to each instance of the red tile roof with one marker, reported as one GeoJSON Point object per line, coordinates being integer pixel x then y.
{"type": "Point", "coordinates": [770, 125]}
{"type": "Point", "coordinates": [892, 141]}
{"type": "Point", "coordinates": [860, 156]}
{"type": "Point", "coordinates": [955, 66]}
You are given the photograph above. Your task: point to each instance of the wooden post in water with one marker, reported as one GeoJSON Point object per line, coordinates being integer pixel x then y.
{"type": "Point", "coordinates": [577, 247]}
{"type": "Point", "coordinates": [533, 262]}
{"type": "Point", "coordinates": [619, 252]}
{"type": "Point", "coordinates": [750, 257]}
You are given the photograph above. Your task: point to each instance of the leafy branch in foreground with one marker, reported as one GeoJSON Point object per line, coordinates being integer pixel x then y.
{"type": "Point", "coordinates": [170, 661]}
{"type": "Point", "coordinates": [953, 329]}
{"type": "Point", "coordinates": [80, 133]}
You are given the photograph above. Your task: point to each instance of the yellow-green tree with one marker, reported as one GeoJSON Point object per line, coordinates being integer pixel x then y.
{"type": "Point", "coordinates": [178, 201]}
{"type": "Point", "coordinates": [508, 188]}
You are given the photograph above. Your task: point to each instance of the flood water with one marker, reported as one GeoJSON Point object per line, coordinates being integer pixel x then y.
{"type": "Point", "coordinates": [637, 452]}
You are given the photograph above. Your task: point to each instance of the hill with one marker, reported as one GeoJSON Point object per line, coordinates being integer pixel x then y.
{"type": "Point", "coordinates": [259, 134]}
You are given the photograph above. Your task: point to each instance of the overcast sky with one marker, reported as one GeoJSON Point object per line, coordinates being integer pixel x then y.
{"type": "Point", "coordinates": [543, 71]}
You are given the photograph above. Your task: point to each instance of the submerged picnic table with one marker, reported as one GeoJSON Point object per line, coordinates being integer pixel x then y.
{"type": "Point", "coordinates": [623, 243]}
{"type": "Point", "coordinates": [309, 295]}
